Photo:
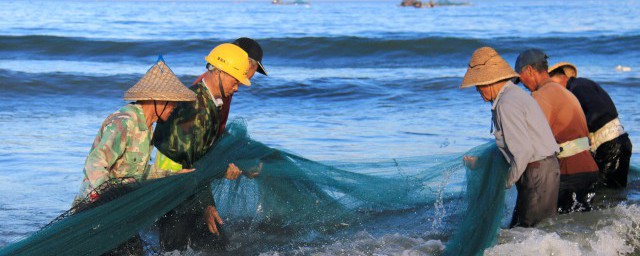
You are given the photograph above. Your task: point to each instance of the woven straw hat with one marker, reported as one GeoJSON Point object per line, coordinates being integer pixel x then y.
{"type": "Point", "coordinates": [569, 69]}
{"type": "Point", "coordinates": [160, 83]}
{"type": "Point", "coordinates": [486, 67]}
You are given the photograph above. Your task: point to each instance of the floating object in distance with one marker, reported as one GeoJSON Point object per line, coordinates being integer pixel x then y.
{"type": "Point", "coordinates": [623, 68]}
{"type": "Point", "coordinates": [429, 4]}
{"type": "Point", "coordinates": [295, 2]}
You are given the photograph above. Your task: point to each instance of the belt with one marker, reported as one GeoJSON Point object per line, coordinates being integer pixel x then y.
{"type": "Point", "coordinates": [573, 147]}
{"type": "Point", "coordinates": [609, 131]}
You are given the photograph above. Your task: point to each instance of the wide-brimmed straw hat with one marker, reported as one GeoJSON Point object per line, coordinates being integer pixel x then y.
{"type": "Point", "coordinates": [160, 83]}
{"type": "Point", "coordinates": [486, 67]}
{"type": "Point", "coordinates": [569, 69]}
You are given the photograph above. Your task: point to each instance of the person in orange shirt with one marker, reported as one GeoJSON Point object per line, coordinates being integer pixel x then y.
{"type": "Point", "coordinates": [578, 170]}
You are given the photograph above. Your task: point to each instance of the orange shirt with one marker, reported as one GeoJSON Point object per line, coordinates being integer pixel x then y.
{"type": "Point", "coordinates": [567, 121]}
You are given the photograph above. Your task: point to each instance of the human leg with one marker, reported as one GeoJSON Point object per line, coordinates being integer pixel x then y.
{"type": "Point", "coordinates": [613, 159]}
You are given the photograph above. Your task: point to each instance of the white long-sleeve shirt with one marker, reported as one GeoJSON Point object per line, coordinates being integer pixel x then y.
{"type": "Point", "coordinates": [521, 130]}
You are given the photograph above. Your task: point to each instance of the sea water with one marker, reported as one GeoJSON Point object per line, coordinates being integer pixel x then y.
{"type": "Point", "coordinates": [348, 82]}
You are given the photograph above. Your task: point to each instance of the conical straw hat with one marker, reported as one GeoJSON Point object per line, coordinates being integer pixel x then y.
{"type": "Point", "coordinates": [160, 83]}
{"type": "Point", "coordinates": [486, 67]}
{"type": "Point", "coordinates": [569, 69]}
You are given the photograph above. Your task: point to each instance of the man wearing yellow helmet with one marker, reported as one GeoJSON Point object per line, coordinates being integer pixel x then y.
{"type": "Point", "coordinates": [189, 133]}
{"type": "Point", "coordinates": [255, 65]}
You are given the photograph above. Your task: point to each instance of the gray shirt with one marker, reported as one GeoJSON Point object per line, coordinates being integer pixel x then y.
{"type": "Point", "coordinates": [522, 132]}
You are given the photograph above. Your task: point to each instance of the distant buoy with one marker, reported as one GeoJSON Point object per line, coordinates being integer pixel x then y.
{"type": "Point", "coordinates": [623, 68]}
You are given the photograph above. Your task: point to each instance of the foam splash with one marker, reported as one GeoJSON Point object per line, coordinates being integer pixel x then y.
{"type": "Point", "coordinates": [614, 231]}
{"type": "Point", "coordinates": [364, 243]}
{"type": "Point", "coordinates": [534, 242]}
{"type": "Point", "coordinates": [623, 68]}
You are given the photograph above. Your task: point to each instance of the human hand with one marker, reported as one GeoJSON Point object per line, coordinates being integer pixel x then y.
{"type": "Point", "coordinates": [93, 196]}
{"type": "Point", "coordinates": [212, 218]}
{"type": "Point", "coordinates": [470, 161]}
{"type": "Point", "coordinates": [185, 171]}
{"type": "Point", "coordinates": [232, 172]}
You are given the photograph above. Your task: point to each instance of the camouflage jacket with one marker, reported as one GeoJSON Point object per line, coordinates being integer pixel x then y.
{"type": "Point", "coordinates": [191, 129]}
{"type": "Point", "coordinates": [188, 134]}
{"type": "Point", "coordinates": [121, 149]}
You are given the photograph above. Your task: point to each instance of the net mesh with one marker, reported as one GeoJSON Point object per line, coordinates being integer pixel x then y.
{"type": "Point", "coordinates": [297, 200]}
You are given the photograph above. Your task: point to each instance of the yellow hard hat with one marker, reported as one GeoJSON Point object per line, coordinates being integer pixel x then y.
{"type": "Point", "coordinates": [231, 59]}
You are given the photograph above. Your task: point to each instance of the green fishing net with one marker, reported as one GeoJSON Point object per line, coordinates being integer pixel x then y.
{"type": "Point", "coordinates": [299, 198]}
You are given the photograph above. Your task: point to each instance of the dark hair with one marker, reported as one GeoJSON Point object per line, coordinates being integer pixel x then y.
{"type": "Point", "coordinates": [557, 71]}
{"type": "Point", "coordinates": [541, 65]}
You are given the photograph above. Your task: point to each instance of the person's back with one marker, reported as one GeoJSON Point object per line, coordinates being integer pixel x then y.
{"type": "Point", "coordinates": [609, 143]}
{"type": "Point", "coordinates": [578, 169]}
{"type": "Point", "coordinates": [564, 114]}
{"type": "Point", "coordinates": [109, 147]}
{"type": "Point", "coordinates": [568, 123]}
{"type": "Point", "coordinates": [514, 99]}
{"type": "Point", "coordinates": [596, 103]}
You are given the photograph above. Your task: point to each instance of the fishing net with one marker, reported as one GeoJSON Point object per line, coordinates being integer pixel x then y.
{"type": "Point", "coordinates": [107, 191]}
{"type": "Point", "coordinates": [299, 199]}
{"type": "Point", "coordinates": [485, 196]}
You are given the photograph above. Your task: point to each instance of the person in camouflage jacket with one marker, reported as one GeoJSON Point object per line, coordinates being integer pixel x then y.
{"type": "Point", "coordinates": [122, 147]}
{"type": "Point", "coordinates": [120, 152]}
{"type": "Point", "coordinates": [189, 134]}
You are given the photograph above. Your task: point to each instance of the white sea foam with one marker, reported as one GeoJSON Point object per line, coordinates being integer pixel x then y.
{"type": "Point", "coordinates": [534, 242]}
{"type": "Point", "coordinates": [614, 231]}
{"type": "Point", "coordinates": [364, 243]}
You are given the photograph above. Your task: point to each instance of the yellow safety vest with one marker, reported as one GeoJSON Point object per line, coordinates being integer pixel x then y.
{"type": "Point", "coordinates": [165, 163]}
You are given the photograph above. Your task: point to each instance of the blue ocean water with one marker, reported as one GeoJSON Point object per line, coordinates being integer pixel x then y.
{"type": "Point", "coordinates": [347, 81]}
